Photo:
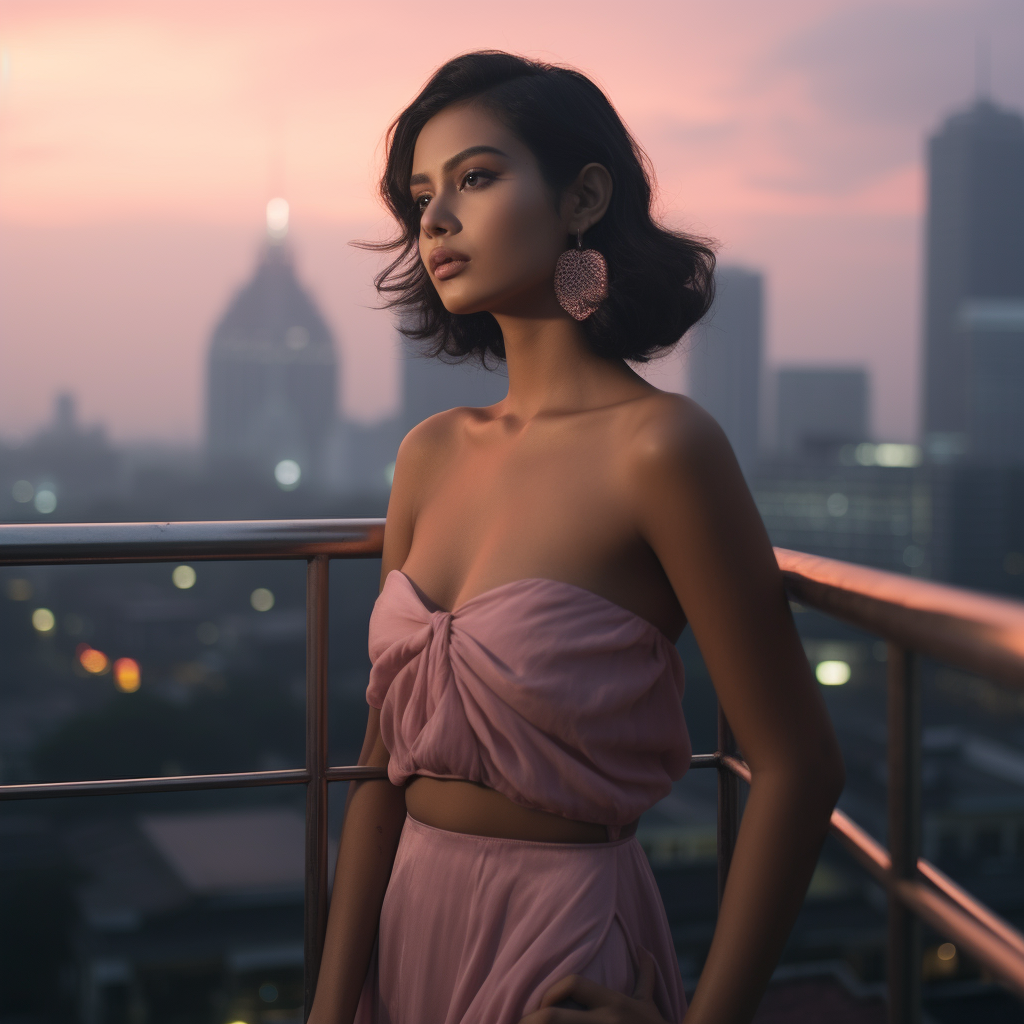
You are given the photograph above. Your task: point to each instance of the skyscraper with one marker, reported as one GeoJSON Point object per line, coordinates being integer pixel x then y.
{"type": "Point", "coordinates": [974, 307]}
{"type": "Point", "coordinates": [820, 409]}
{"type": "Point", "coordinates": [272, 371]}
{"type": "Point", "coordinates": [724, 361]}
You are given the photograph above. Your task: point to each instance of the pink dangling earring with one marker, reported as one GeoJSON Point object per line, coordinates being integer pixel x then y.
{"type": "Point", "coordinates": [581, 280]}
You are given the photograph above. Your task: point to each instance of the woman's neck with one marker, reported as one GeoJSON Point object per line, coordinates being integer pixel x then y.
{"type": "Point", "coordinates": [552, 369]}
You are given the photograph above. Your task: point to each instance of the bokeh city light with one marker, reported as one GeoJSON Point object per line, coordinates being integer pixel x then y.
{"type": "Point", "coordinates": [287, 473]}
{"type": "Point", "coordinates": [43, 620]}
{"type": "Point", "coordinates": [127, 675]}
{"type": "Point", "coordinates": [183, 577]}
{"type": "Point", "coordinates": [832, 673]}
{"type": "Point", "coordinates": [94, 662]}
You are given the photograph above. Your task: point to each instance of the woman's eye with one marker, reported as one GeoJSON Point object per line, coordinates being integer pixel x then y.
{"type": "Point", "coordinates": [475, 179]}
{"type": "Point", "coordinates": [421, 202]}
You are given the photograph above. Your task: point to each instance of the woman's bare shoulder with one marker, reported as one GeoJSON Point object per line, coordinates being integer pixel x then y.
{"type": "Point", "coordinates": [432, 442]}
{"type": "Point", "coordinates": [670, 432]}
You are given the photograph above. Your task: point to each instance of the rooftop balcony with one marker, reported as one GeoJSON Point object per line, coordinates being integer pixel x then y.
{"type": "Point", "coordinates": [915, 619]}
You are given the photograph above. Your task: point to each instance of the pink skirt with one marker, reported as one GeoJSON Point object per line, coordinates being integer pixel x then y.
{"type": "Point", "coordinates": [475, 930]}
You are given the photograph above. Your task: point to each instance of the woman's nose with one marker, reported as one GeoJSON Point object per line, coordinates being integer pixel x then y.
{"type": "Point", "coordinates": [437, 219]}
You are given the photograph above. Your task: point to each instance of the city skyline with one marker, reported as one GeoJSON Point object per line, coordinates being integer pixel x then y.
{"type": "Point", "coordinates": [131, 195]}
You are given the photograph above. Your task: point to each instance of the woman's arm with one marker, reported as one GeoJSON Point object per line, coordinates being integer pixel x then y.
{"type": "Point", "coordinates": [374, 814]}
{"type": "Point", "coordinates": [374, 809]}
{"type": "Point", "coordinates": [698, 516]}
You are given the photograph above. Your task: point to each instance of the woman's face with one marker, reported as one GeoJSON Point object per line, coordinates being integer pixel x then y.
{"type": "Point", "coordinates": [490, 230]}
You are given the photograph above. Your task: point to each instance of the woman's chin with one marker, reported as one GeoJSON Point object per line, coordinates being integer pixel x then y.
{"type": "Point", "coordinates": [463, 305]}
{"type": "Point", "coordinates": [510, 301]}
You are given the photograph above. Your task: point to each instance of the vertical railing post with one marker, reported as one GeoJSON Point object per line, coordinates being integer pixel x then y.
{"type": "Point", "coordinates": [728, 803]}
{"type": "Point", "coordinates": [904, 714]}
{"type": "Point", "coordinates": [315, 917]}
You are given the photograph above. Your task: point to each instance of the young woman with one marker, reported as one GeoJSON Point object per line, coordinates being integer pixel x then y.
{"type": "Point", "coordinates": [541, 558]}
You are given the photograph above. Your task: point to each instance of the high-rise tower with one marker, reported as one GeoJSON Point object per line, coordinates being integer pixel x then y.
{"type": "Point", "coordinates": [975, 277]}
{"type": "Point", "coordinates": [820, 409]}
{"type": "Point", "coordinates": [272, 373]}
{"type": "Point", "coordinates": [724, 361]}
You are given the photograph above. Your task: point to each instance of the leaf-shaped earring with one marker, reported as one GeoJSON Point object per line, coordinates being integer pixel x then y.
{"type": "Point", "coordinates": [581, 280]}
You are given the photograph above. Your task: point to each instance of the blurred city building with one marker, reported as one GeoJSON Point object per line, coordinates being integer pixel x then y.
{"type": "Point", "coordinates": [820, 409]}
{"type": "Point", "coordinates": [974, 302]}
{"type": "Point", "coordinates": [430, 385]}
{"type": "Point", "coordinates": [872, 514]}
{"type": "Point", "coordinates": [65, 465]}
{"type": "Point", "coordinates": [993, 333]}
{"type": "Point", "coordinates": [724, 360]}
{"type": "Point", "coordinates": [191, 916]}
{"type": "Point", "coordinates": [272, 376]}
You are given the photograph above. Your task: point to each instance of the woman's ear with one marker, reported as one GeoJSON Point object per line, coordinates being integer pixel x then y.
{"type": "Point", "coordinates": [587, 198]}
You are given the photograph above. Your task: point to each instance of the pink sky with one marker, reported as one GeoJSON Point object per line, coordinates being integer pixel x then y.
{"type": "Point", "coordinates": [139, 143]}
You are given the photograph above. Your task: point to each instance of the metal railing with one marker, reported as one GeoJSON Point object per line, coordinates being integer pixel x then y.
{"type": "Point", "coordinates": [981, 634]}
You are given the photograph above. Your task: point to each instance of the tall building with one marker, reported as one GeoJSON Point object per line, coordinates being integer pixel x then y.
{"type": "Point", "coordinates": [993, 330]}
{"type": "Point", "coordinates": [819, 409]}
{"type": "Point", "coordinates": [430, 386]}
{"type": "Point", "coordinates": [724, 360]}
{"type": "Point", "coordinates": [272, 373]}
{"type": "Point", "coordinates": [974, 306]}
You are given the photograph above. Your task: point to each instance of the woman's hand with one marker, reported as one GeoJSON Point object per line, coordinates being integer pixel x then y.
{"type": "Point", "coordinates": [604, 1005]}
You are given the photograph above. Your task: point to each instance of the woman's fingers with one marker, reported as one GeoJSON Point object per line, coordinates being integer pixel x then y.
{"type": "Point", "coordinates": [605, 1006]}
{"type": "Point", "coordinates": [560, 1015]}
{"type": "Point", "coordinates": [583, 990]}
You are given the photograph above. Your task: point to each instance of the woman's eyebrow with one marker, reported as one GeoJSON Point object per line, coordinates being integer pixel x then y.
{"type": "Point", "coordinates": [454, 161]}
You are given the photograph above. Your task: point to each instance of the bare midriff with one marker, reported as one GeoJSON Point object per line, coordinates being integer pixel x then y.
{"type": "Point", "coordinates": [473, 809]}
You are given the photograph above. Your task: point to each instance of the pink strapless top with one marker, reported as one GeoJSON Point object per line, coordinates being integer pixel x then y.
{"type": "Point", "coordinates": [551, 694]}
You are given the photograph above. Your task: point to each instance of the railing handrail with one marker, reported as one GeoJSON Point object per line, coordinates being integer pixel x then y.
{"type": "Point", "coordinates": [216, 540]}
{"type": "Point", "coordinates": [976, 632]}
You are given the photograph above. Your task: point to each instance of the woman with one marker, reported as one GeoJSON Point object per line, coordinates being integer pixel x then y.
{"type": "Point", "coordinates": [541, 558]}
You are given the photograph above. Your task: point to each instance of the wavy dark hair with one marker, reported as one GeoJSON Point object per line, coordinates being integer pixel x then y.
{"type": "Point", "coordinates": [661, 282]}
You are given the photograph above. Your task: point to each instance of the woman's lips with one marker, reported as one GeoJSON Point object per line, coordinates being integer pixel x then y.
{"type": "Point", "coordinates": [446, 262]}
{"type": "Point", "coordinates": [449, 269]}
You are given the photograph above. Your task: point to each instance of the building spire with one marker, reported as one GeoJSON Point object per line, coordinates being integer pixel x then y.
{"type": "Point", "coordinates": [982, 68]}
{"type": "Point", "coordinates": [277, 220]}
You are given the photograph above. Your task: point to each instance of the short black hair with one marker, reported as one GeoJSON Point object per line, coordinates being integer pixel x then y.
{"type": "Point", "coordinates": [660, 282]}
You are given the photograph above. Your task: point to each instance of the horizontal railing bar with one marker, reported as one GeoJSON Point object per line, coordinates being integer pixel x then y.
{"type": "Point", "coordinates": [704, 761]}
{"type": "Point", "coordinates": [92, 543]}
{"type": "Point", "coordinates": [354, 772]}
{"type": "Point", "coordinates": [979, 633]}
{"type": "Point", "coordinates": [183, 783]}
{"type": "Point", "coordinates": [164, 784]}
{"type": "Point", "coordinates": [995, 943]}
{"type": "Point", "coordinates": [976, 632]}
{"type": "Point", "coordinates": [230, 780]}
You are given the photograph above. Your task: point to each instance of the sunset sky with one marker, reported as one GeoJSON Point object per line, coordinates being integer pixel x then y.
{"type": "Point", "coordinates": [140, 142]}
